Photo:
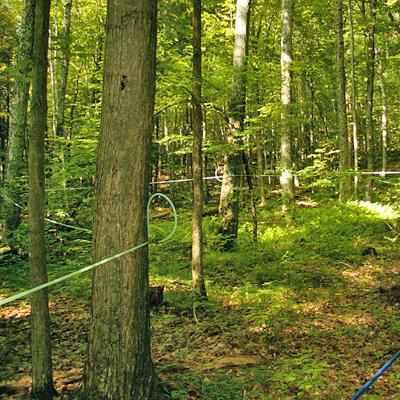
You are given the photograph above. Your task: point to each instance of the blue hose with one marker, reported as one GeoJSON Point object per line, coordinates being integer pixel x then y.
{"type": "Point", "coordinates": [376, 376]}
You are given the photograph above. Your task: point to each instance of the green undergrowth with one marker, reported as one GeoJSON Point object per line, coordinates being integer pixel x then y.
{"type": "Point", "coordinates": [299, 314]}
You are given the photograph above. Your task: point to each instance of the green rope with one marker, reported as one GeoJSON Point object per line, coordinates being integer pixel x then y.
{"type": "Point", "coordinates": [105, 261]}
{"type": "Point", "coordinates": [77, 228]}
{"type": "Point", "coordinates": [51, 221]}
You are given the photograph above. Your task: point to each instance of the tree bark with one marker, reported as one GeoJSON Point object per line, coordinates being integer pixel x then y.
{"type": "Point", "coordinates": [18, 120]}
{"type": "Point", "coordinates": [119, 364]}
{"type": "Point", "coordinates": [229, 199]}
{"type": "Point", "coordinates": [370, 135]}
{"type": "Point", "coordinates": [156, 150]}
{"type": "Point", "coordinates": [65, 51]}
{"type": "Point", "coordinates": [53, 56]}
{"type": "Point", "coordinates": [197, 158]}
{"type": "Point", "coordinates": [260, 167]}
{"type": "Point", "coordinates": [384, 114]}
{"type": "Point", "coordinates": [251, 197]}
{"type": "Point", "coordinates": [354, 107]}
{"type": "Point", "coordinates": [344, 161]}
{"type": "Point", "coordinates": [66, 54]}
{"type": "Point", "coordinates": [206, 193]}
{"type": "Point", "coordinates": [286, 101]}
{"type": "Point", "coordinates": [42, 376]}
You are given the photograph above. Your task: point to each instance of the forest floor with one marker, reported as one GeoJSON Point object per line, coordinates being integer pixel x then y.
{"type": "Point", "coordinates": [309, 312]}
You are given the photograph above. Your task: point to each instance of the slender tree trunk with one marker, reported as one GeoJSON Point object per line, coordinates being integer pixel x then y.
{"type": "Point", "coordinates": [72, 118]}
{"type": "Point", "coordinates": [229, 199]}
{"type": "Point", "coordinates": [4, 129]}
{"type": "Point", "coordinates": [53, 55]}
{"type": "Point", "coordinates": [42, 375]}
{"type": "Point", "coordinates": [345, 180]}
{"type": "Point", "coordinates": [354, 101]}
{"type": "Point", "coordinates": [286, 101]}
{"type": "Point", "coordinates": [197, 233]}
{"type": "Point", "coordinates": [65, 40]}
{"type": "Point", "coordinates": [370, 135]}
{"type": "Point", "coordinates": [304, 133]}
{"type": "Point", "coordinates": [251, 197]}
{"type": "Point", "coordinates": [156, 175]}
{"type": "Point", "coordinates": [260, 168]}
{"type": "Point", "coordinates": [119, 364]}
{"type": "Point", "coordinates": [66, 54]}
{"type": "Point", "coordinates": [206, 194]}
{"type": "Point", "coordinates": [18, 122]}
{"type": "Point", "coordinates": [384, 115]}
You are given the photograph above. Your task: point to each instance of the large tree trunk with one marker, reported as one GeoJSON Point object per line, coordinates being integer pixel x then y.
{"type": "Point", "coordinates": [369, 120]}
{"type": "Point", "coordinates": [19, 112]}
{"type": "Point", "coordinates": [197, 162]}
{"type": "Point", "coordinates": [229, 200]}
{"type": "Point", "coordinates": [42, 377]}
{"type": "Point", "coordinates": [286, 101]}
{"type": "Point", "coordinates": [119, 364]}
{"type": "Point", "coordinates": [344, 161]}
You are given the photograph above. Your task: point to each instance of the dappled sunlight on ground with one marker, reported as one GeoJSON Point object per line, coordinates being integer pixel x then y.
{"type": "Point", "coordinates": [300, 315]}
{"type": "Point", "coordinates": [315, 307]}
{"type": "Point", "coordinates": [69, 320]}
{"type": "Point", "coordinates": [66, 380]}
{"type": "Point", "coordinates": [367, 275]}
{"type": "Point", "coordinates": [253, 295]}
{"type": "Point", "coordinates": [357, 320]}
{"type": "Point", "coordinates": [329, 321]}
{"type": "Point", "coordinates": [15, 311]}
{"type": "Point", "coordinates": [383, 211]}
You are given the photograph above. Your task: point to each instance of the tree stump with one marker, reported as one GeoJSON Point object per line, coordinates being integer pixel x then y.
{"type": "Point", "coordinates": [156, 296]}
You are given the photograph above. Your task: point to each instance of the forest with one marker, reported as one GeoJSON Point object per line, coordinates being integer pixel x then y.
{"type": "Point", "coordinates": [199, 199]}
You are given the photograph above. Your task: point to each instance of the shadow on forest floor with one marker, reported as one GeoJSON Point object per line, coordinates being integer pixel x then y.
{"type": "Point", "coordinates": [304, 314]}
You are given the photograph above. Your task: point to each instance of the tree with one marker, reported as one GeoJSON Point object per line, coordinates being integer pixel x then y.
{"type": "Point", "coordinates": [354, 99]}
{"type": "Point", "coordinates": [260, 168]}
{"type": "Point", "coordinates": [42, 375]}
{"type": "Point", "coordinates": [286, 100]}
{"type": "Point", "coordinates": [8, 38]}
{"type": "Point", "coordinates": [66, 54]}
{"type": "Point", "coordinates": [345, 181]}
{"type": "Point", "coordinates": [229, 199]}
{"type": "Point", "coordinates": [60, 96]}
{"type": "Point", "coordinates": [18, 120]}
{"type": "Point", "coordinates": [119, 364]}
{"type": "Point", "coordinates": [384, 115]}
{"type": "Point", "coordinates": [197, 234]}
{"type": "Point", "coordinates": [369, 118]}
